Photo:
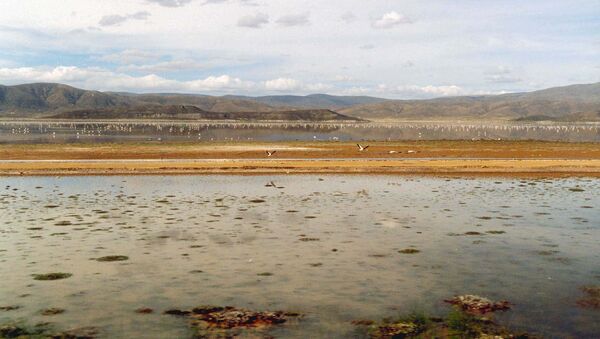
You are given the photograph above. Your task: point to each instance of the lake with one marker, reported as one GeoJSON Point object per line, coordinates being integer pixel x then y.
{"type": "Point", "coordinates": [326, 246]}
{"type": "Point", "coordinates": [28, 131]}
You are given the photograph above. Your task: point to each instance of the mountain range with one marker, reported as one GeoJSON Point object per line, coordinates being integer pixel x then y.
{"type": "Point", "coordinates": [568, 103]}
{"type": "Point", "coordinates": [47, 100]}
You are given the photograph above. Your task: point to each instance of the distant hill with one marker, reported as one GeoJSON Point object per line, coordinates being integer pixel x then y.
{"type": "Point", "coordinates": [43, 99]}
{"type": "Point", "coordinates": [569, 103]}
{"type": "Point", "coordinates": [311, 101]}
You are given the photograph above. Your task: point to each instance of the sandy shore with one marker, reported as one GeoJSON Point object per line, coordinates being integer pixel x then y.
{"type": "Point", "coordinates": [444, 158]}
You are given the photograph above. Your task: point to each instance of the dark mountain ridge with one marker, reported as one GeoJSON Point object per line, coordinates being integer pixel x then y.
{"type": "Point", "coordinates": [42, 100]}
{"type": "Point", "coordinates": [568, 103]}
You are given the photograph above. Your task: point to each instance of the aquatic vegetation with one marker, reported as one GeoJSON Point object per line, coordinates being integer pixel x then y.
{"type": "Point", "coordinates": [305, 239]}
{"type": "Point", "coordinates": [592, 299]}
{"type": "Point", "coordinates": [9, 308]}
{"type": "Point", "coordinates": [111, 258]}
{"type": "Point", "coordinates": [44, 331]}
{"type": "Point", "coordinates": [257, 201]}
{"type": "Point", "coordinates": [495, 232]}
{"type": "Point", "coordinates": [176, 312]}
{"type": "Point", "coordinates": [456, 324]}
{"type": "Point", "coordinates": [394, 330]}
{"type": "Point", "coordinates": [478, 305]}
{"type": "Point", "coordinates": [216, 321]}
{"type": "Point", "coordinates": [52, 276]}
{"type": "Point", "coordinates": [265, 274]}
{"type": "Point", "coordinates": [409, 251]}
{"type": "Point", "coordinates": [52, 311]}
{"type": "Point", "coordinates": [547, 252]}
{"type": "Point", "coordinates": [20, 330]}
{"type": "Point", "coordinates": [78, 333]}
{"type": "Point", "coordinates": [144, 310]}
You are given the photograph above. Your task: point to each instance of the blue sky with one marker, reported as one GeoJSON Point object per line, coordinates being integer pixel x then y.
{"type": "Point", "coordinates": [393, 49]}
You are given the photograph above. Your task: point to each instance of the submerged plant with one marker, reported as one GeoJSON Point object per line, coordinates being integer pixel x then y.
{"type": "Point", "coordinates": [109, 258]}
{"type": "Point", "coordinates": [409, 251]}
{"type": "Point", "coordinates": [52, 276]}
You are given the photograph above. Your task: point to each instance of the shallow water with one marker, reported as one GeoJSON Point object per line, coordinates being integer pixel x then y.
{"type": "Point", "coordinates": [106, 131]}
{"type": "Point", "coordinates": [195, 240]}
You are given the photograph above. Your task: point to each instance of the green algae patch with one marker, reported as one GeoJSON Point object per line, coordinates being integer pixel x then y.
{"type": "Point", "coordinates": [52, 276]}
{"type": "Point", "coordinates": [52, 311]}
{"type": "Point", "coordinates": [111, 258]}
{"type": "Point", "coordinates": [265, 274]}
{"type": "Point", "coordinates": [409, 251]}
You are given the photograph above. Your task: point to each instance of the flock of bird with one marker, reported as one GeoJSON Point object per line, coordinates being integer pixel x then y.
{"type": "Point", "coordinates": [361, 148]}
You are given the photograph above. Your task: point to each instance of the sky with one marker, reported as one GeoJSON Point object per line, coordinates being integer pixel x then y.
{"type": "Point", "coordinates": [398, 49]}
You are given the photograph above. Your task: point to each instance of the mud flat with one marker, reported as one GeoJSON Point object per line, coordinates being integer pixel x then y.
{"type": "Point", "coordinates": [418, 157]}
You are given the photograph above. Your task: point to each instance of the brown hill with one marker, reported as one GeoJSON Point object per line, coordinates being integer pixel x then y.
{"type": "Point", "coordinates": [570, 103]}
{"type": "Point", "coordinates": [42, 99]}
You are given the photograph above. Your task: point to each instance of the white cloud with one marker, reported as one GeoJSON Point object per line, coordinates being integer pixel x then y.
{"type": "Point", "coordinates": [98, 78]}
{"type": "Point", "coordinates": [391, 19]}
{"type": "Point", "coordinates": [502, 75]}
{"type": "Point", "coordinates": [218, 83]}
{"type": "Point", "coordinates": [348, 17]}
{"type": "Point", "coordinates": [502, 79]}
{"type": "Point", "coordinates": [451, 90]}
{"type": "Point", "coordinates": [170, 3]}
{"type": "Point", "coordinates": [445, 48]}
{"type": "Point", "coordinates": [282, 84]}
{"type": "Point", "coordinates": [113, 20]}
{"type": "Point", "coordinates": [294, 19]}
{"type": "Point", "coordinates": [343, 78]}
{"type": "Point", "coordinates": [129, 56]}
{"type": "Point", "coordinates": [103, 79]}
{"type": "Point", "coordinates": [253, 21]}
{"type": "Point", "coordinates": [166, 66]}
{"type": "Point", "coordinates": [426, 91]}
{"type": "Point", "coordinates": [241, 2]}
{"type": "Point", "coordinates": [358, 91]}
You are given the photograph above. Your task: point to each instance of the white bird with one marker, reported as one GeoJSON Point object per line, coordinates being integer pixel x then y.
{"type": "Point", "coordinates": [411, 151]}
{"type": "Point", "coordinates": [361, 147]}
{"type": "Point", "coordinates": [270, 153]}
{"type": "Point", "coordinates": [393, 152]}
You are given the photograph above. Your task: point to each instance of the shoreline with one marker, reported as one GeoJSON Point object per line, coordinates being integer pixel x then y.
{"type": "Point", "coordinates": [478, 167]}
{"type": "Point", "coordinates": [463, 158]}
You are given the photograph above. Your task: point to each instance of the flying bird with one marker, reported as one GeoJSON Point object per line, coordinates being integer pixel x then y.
{"type": "Point", "coordinates": [362, 148]}
{"type": "Point", "coordinates": [270, 153]}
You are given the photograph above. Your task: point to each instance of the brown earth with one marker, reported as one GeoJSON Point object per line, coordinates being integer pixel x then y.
{"type": "Point", "coordinates": [302, 150]}
{"type": "Point", "coordinates": [431, 157]}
